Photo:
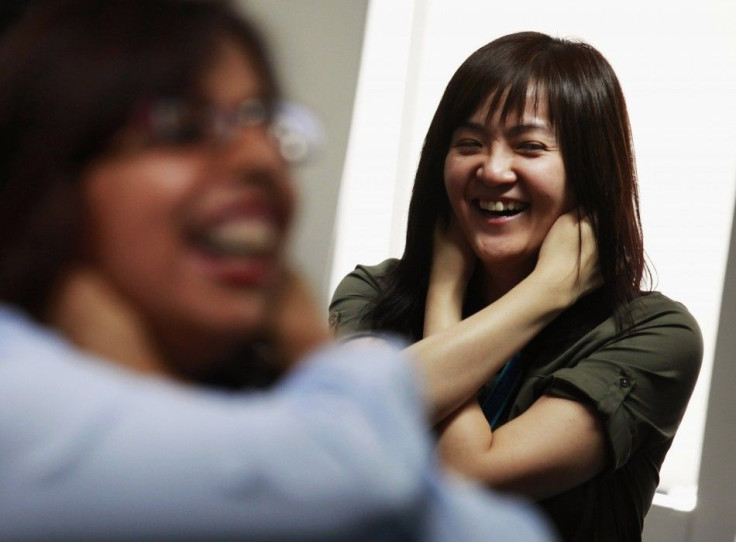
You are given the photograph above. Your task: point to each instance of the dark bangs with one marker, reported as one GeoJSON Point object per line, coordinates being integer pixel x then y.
{"type": "Point", "coordinates": [508, 71]}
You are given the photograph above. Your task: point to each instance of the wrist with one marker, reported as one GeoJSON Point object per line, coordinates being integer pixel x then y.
{"type": "Point", "coordinates": [443, 308]}
{"type": "Point", "coordinates": [556, 295]}
{"type": "Point", "coordinates": [449, 294]}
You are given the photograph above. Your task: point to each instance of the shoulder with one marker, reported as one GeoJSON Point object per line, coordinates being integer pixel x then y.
{"type": "Point", "coordinates": [21, 337]}
{"type": "Point", "coordinates": [355, 292]}
{"type": "Point", "coordinates": [657, 305]}
{"type": "Point", "coordinates": [651, 319]}
{"type": "Point", "coordinates": [661, 335]}
{"type": "Point", "coordinates": [639, 378]}
{"type": "Point", "coordinates": [364, 279]}
{"type": "Point", "coordinates": [670, 324]}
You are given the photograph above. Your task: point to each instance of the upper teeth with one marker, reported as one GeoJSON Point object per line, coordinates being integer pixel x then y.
{"type": "Point", "coordinates": [242, 237]}
{"type": "Point", "coordinates": [500, 205]}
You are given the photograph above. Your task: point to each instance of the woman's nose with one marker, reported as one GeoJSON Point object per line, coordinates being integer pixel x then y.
{"type": "Point", "coordinates": [498, 166]}
{"type": "Point", "coordinates": [254, 148]}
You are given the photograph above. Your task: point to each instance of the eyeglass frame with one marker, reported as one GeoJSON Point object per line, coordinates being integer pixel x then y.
{"type": "Point", "coordinates": [296, 130]}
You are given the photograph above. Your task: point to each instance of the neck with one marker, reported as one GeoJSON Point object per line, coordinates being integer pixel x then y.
{"type": "Point", "coordinates": [498, 279]}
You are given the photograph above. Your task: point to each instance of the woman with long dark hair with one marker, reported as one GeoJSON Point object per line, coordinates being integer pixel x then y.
{"type": "Point", "coordinates": [529, 128]}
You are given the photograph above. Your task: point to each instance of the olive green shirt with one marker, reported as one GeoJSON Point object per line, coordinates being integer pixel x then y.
{"type": "Point", "coordinates": [638, 380]}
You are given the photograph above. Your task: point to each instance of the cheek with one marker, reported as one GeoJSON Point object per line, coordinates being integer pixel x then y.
{"type": "Point", "coordinates": [131, 206]}
{"type": "Point", "coordinates": [552, 186]}
{"type": "Point", "coordinates": [289, 198]}
{"type": "Point", "coordinates": [454, 182]}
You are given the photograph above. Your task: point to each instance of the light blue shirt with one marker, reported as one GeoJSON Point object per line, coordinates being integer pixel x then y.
{"type": "Point", "coordinates": [338, 451]}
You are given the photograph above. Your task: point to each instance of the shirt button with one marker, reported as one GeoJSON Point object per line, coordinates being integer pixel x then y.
{"type": "Point", "coordinates": [624, 382]}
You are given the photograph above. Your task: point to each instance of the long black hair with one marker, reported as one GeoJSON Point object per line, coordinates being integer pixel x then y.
{"type": "Point", "coordinates": [587, 109]}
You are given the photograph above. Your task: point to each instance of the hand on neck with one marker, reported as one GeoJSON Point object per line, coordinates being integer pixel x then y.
{"type": "Point", "coordinates": [92, 314]}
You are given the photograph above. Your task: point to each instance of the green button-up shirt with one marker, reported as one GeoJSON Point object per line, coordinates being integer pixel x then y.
{"type": "Point", "coordinates": [638, 380]}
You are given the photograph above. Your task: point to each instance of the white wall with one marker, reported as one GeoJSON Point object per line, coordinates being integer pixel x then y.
{"type": "Point", "coordinates": [677, 65]}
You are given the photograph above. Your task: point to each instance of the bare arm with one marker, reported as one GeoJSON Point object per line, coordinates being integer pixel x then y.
{"type": "Point", "coordinates": [555, 445]}
{"type": "Point", "coordinates": [457, 357]}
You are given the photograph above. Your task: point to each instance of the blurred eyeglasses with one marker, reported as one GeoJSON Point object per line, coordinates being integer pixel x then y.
{"type": "Point", "coordinates": [295, 128]}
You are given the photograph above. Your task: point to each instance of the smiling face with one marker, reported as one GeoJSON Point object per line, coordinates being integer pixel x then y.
{"type": "Point", "coordinates": [193, 234]}
{"type": "Point", "coordinates": [506, 184]}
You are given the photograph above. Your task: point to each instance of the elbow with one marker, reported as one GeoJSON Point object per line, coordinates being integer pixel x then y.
{"type": "Point", "coordinates": [467, 459]}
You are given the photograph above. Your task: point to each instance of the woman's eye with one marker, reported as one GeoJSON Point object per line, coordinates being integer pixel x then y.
{"type": "Point", "coordinates": [187, 134]}
{"type": "Point", "coordinates": [466, 144]}
{"type": "Point", "coordinates": [531, 147]}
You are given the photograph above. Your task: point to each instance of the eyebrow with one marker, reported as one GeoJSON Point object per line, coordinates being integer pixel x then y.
{"type": "Point", "coordinates": [514, 130]}
{"type": "Point", "coordinates": [518, 129]}
{"type": "Point", "coordinates": [474, 126]}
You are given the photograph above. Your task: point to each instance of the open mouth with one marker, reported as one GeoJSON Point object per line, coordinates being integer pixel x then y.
{"type": "Point", "coordinates": [498, 209]}
{"type": "Point", "coordinates": [245, 237]}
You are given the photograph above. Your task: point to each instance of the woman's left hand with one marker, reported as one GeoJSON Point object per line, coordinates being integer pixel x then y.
{"type": "Point", "coordinates": [297, 325]}
{"type": "Point", "coordinates": [568, 258]}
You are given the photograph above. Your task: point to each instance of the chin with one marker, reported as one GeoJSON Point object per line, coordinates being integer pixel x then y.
{"type": "Point", "coordinates": [241, 317]}
{"type": "Point", "coordinates": [506, 258]}
{"type": "Point", "coordinates": [219, 318]}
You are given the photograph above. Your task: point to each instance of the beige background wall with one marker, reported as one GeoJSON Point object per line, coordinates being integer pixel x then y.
{"type": "Point", "coordinates": [317, 46]}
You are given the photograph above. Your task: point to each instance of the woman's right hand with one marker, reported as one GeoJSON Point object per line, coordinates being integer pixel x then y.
{"type": "Point", "coordinates": [568, 258]}
{"type": "Point", "coordinates": [453, 260]}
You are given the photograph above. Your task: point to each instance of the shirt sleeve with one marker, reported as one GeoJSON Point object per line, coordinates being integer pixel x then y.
{"type": "Point", "coordinates": [338, 451]}
{"type": "Point", "coordinates": [353, 295]}
{"type": "Point", "coordinates": [640, 381]}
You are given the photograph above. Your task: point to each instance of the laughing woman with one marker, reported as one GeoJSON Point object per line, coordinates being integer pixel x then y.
{"type": "Point", "coordinates": [581, 417]}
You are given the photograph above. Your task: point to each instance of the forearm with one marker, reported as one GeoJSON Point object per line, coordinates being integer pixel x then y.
{"type": "Point", "coordinates": [458, 359]}
{"type": "Point", "coordinates": [443, 307]}
{"type": "Point", "coordinates": [463, 436]}
{"type": "Point", "coordinates": [555, 445]}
